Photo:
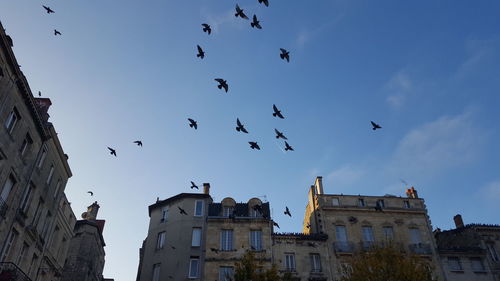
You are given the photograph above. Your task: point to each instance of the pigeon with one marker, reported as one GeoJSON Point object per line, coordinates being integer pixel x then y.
{"type": "Point", "coordinates": [287, 212]}
{"type": "Point", "coordinates": [258, 208]}
{"type": "Point", "coordinates": [240, 127]}
{"type": "Point", "coordinates": [193, 124]}
{"type": "Point", "coordinates": [181, 210]}
{"type": "Point", "coordinates": [285, 55]}
{"type": "Point", "coordinates": [277, 112]}
{"type": "Point", "coordinates": [91, 193]}
{"type": "Point", "coordinates": [193, 185]}
{"type": "Point", "coordinates": [266, 2]}
{"type": "Point", "coordinates": [39, 93]}
{"type": "Point", "coordinates": [138, 142]}
{"type": "Point", "coordinates": [288, 147]}
{"type": "Point", "coordinates": [276, 224]}
{"type": "Point", "coordinates": [222, 84]}
{"type": "Point", "coordinates": [214, 250]}
{"type": "Point", "coordinates": [239, 12]}
{"type": "Point", "coordinates": [255, 22]}
{"type": "Point", "coordinates": [48, 9]}
{"type": "Point", "coordinates": [112, 151]}
{"type": "Point", "coordinates": [279, 134]}
{"type": "Point", "coordinates": [375, 126]}
{"type": "Point", "coordinates": [56, 32]}
{"type": "Point", "coordinates": [253, 248]}
{"type": "Point", "coordinates": [308, 225]}
{"type": "Point", "coordinates": [254, 145]}
{"type": "Point", "coordinates": [200, 54]}
{"type": "Point", "coordinates": [206, 28]}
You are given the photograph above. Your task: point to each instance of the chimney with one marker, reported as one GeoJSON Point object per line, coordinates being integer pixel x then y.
{"type": "Point", "coordinates": [458, 221]}
{"type": "Point", "coordinates": [319, 185]}
{"type": "Point", "coordinates": [206, 188]}
{"type": "Point", "coordinates": [91, 213]}
{"type": "Point", "coordinates": [412, 193]}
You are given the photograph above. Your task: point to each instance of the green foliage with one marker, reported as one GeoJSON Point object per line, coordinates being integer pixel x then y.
{"type": "Point", "coordinates": [249, 269]}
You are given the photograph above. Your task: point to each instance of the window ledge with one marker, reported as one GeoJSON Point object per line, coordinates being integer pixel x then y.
{"type": "Point", "coordinates": [480, 271]}
{"type": "Point", "coordinates": [457, 270]}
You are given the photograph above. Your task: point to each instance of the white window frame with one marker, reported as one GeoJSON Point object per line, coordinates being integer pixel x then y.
{"type": "Point", "coordinates": [156, 272]}
{"type": "Point", "coordinates": [196, 237]}
{"type": "Point", "coordinates": [226, 240]}
{"type": "Point", "coordinates": [200, 214]}
{"type": "Point", "coordinates": [9, 184]}
{"type": "Point", "coordinates": [160, 240]}
{"type": "Point", "coordinates": [191, 274]}
{"type": "Point", "coordinates": [290, 261]}
{"type": "Point", "coordinates": [315, 263]}
{"type": "Point", "coordinates": [256, 240]}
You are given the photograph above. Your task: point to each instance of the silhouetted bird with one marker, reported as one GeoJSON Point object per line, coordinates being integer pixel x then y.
{"type": "Point", "coordinates": [308, 225]}
{"type": "Point", "coordinates": [91, 193]}
{"type": "Point", "coordinates": [276, 224]}
{"type": "Point", "coordinates": [277, 112]}
{"type": "Point", "coordinates": [200, 54]}
{"type": "Point", "coordinates": [215, 250]}
{"type": "Point", "coordinates": [375, 125]}
{"type": "Point", "coordinates": [39, 93]}
{"type": "Point", "coordinates": [285, 55]}
{"type": "Point", "coordinates": [193, 185]}
{"type": "Point", "coordinates": [138, 142]}
{"type": "Point", "coordinates": [240, 13]}
{"type": "Point", "coordinates": [222, 84]}
{"type": "Point", "coordinates": [206, 28]}
{"type": "Point", "coordinates": [112, 151]}
{"type": "Point", "coordinates": [287, 212]}
{"type": "Point", "coordinates": [266, 2]}
{"type": "Point", "coordinates": [288, 147]}
{"type": "Point", "coordinates": [279, 134]}
{"type": "Point", "coordinates": [255, 22]}
{"type": "Point", "coordinates": [253, 248]}
{"type": "Point", "coordinates": [48, 9]}
{"type": "Point", "coordinates": [56, 32]}
{"type": "Point", "coordinates": [254, 145]}
{"type": "Point", "coordinates": [181, 210]}
{"type": "Point", "coordinates": [193, 124]}
{"type": "Point", "coordinates": [258, 208]}
{"type": "Point", "coordinates": [240, 127]}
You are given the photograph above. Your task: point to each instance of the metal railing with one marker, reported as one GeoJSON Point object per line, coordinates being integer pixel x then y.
{"type": "Point", "coordinates": [3, 207]}
{"type": "Point", "coordinates": [420, 249]}
{"type": "Point", "coordinates": [344, 247]}
{"type": "Point", "coordinates": [10, 272]}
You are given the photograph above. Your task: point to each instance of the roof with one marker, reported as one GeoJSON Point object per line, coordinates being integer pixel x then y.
{"type": "Point", "coordinates": [240, 210]}
{"type": "Point", "coordinates": [300, 236]}
{"type": "Point", "coordinates": [179, 196]}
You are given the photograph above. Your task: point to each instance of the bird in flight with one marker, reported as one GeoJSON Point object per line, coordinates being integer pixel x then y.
{"type": "Point", "coordinates": [276, 224]}
{"type": "Point", "coordinates": [48, 9]}
{"type": "Point", "coordinates": [254, 145]}
{"type": "Point", "coordinates": [138, 142]}
{"type": "Point", "coordinates": [255, 22]}
{"type": "Point", "coordinates": [206, 28]}
{"type": "Point", "coordinates": [277, 112]}
{"type": "Point", "coordinates": [91, 193]}
{"type": "Point", "coordinates": [193, 185]}
{"type": "Point", "coordinates": [240, 127]}
{"type": "Point", "coordinates": [375, 126]}
{"type": "Point", "coordinates": [56, 32]}
{"type": "Point", "coordinates": [279, 134]}
{"type": "Point", "coordinates": [201, 53]}
{"type": "Point", "coordinates": [285, 55]}
{"type": "Point", "coordinates": [181, 210]}
{"type": "Point", "coordinates": [112, 151]}
{"type": "Point", "coordinates": [193, 124]}
{"type": "Point", "coordinates": [288, 147]}
{"type": "Point", "coordinates": [222, 84]}
{"type": "Point", "coordinates": [287, 212]}
{"type": "Point", "coordinates": [240, 13]}
{"type": "Point", "coordinates": [266, 2]}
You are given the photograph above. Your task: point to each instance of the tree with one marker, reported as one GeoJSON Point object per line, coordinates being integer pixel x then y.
{"type": "Point", "coordinates": [387, 264]}
{"type": "Point", "coordinates": [250, 269]}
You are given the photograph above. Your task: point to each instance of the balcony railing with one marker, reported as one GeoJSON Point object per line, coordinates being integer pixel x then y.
{"type": "Point", "coordinates": [344, 247]}
{"type": "Point", "coordinates": [3, 208]}
{"type": "Point", "coordinates": [10, 272]}
{"type": "Point", "coordinates": [420, 249]}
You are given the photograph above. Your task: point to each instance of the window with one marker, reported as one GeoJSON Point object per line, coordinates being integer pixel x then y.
{"type": "Point", "coordinates": [12, 119]}
{"type": "Point", "coordinates": [388, 232]}
{"type": "Point", "coordinates": [156, 272]}
{"type": "Point", "coordinates": [492, 251]}
{"type": "Point", "coordinates": [227, 211]}
{"type": "Point", "coordinates": [290, 261]}
{"type": "Point", "coordinates": [193, 267]}
{"type": "Point", "coordinates": [51, 173]}
{"type": "Point", "coordinates": [196, 238]}
{"type": "Point", "coordinates": [335, 202]}
{"type": "Point", "coordinates": [198, 209]}
{"type": "Point", "coordinates": [226, 240]}
{"type": "Point", "coordinates": [341, 233]}
{"type": "Point", "coordinates": [367, 234]}
{"type": "Point", "coordinates": [255, 213]}
{"type": "Point", "coordinates": [315, 263]}
{"type": "Point", "coordinates": [46, 226]}
{"type": "Point", "coordinates": [160, 242]}
{"type": "Point", "coordinates": [57, 188]}
{"type": "Point", "coordinates": [454, 263]}
{"type": "Point", "coordinates": [256, 240]}
{"type": "Point", "coordinates": [26, 197]}
{"type": "Point", "coordinates": [226, 273]}
{"type": "Point", "coordinates": [22, 254]}
{"type": "Point", "coordinates": [477, 264]}
{"type": "Point", "coordinates": [11, 241]}
{"type": "Point", "coordinates": [42, 158]}
{"type": "Point", "coordinates": [38, 211]}
{"type": "Point", "coordinates": [415, 236]}
{"type": "Point", "coordinates": [7, 187]}
{"type": "Point", "coordinates": [406, 204]}
{"type": "Point", "coordinates": [361, 202]}
{"type": "Point", "coordinates": [380, 203]}
{"type": "Point", "coordinates": [25, 145]}
{"type": "Point", "coordinates": [164, 214]}
{"type": "Point", "coordinates": [34, 261]}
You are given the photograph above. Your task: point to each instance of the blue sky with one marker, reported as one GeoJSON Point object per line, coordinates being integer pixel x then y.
{"type": "Point", "coordinates": [427, 71]}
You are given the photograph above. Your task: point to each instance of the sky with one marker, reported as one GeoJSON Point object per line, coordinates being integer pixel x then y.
{"type": "Point", "coordinates": [426, 71]}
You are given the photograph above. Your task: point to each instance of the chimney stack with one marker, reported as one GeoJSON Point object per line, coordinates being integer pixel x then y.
{"type": "Point", "coordinates": [412, 193]}
{"type": "Point", "coordinates": [206, 188]}
{"type": "Point", "coordinates": [458, 221]}
{"type": "Point", "coordinates": [319, 185]}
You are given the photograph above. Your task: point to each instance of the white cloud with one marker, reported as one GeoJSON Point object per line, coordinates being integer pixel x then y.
{"type": "Point", "coordinates": [491, 191]}
{"type": "Point", "coordinates": [478, 52]}
{"type": "Point", "coordinates": [400, 85]}
{"type": "Point", "coordinates": [306, 35]}
{"type": "Point", "coordinates": [345, 175]}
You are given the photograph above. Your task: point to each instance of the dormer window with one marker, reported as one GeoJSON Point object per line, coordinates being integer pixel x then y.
{"type": "Point", "coordinates": [335, 202]}
{"type": "Point", "coordinates": [380, 203]}
{"type": "Point", "coordinates": [227, 211]}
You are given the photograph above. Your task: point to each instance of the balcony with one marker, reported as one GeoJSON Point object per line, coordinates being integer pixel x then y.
{"type": "Point", "coordinates": [10, 272]}
{"type": "Point", "coordinates": [3, 208]}
{"type": "Point", "coordinates": [420, 249]}
{"type": "Point", "coordinates": [344, 247]}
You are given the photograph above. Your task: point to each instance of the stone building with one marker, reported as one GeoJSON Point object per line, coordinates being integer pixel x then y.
{"type": "Point", "coordinates": [470, 252]}
{"type": "Point", "coordinates": [36, 220]}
